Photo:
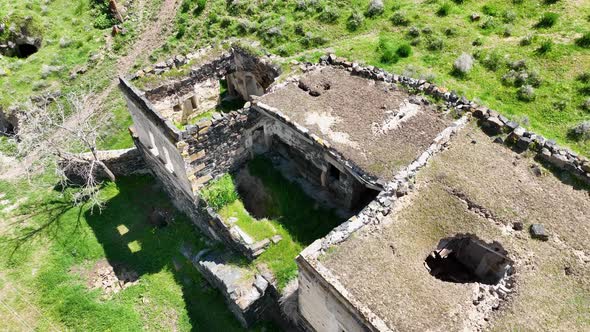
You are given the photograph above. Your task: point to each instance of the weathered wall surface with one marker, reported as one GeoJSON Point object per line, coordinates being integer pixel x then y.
{"type": "Point", "coordinates": [321, 307]}
{"type": "Point", "coordinates": [313, 158]}
{"type": "Point", "coordinates": [218, 146]}
{"type": "Point", "coordinates": [120, 162]}
{"type": "Point", "coordinates": [158, 135]}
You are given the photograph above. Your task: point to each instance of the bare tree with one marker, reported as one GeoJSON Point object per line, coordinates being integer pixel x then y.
{"type": "Point", "coordinates": [60, 134]}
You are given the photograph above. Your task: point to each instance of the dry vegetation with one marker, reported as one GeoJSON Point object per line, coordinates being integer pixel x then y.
{"type": "Point", "coordinates": [383, 267]}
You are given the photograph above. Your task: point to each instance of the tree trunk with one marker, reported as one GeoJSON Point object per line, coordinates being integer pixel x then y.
{"type": "Point", "coordinates": [114, 8]}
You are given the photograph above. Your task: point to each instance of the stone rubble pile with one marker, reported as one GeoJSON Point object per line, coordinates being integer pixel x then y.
{"type": "Point", "coordinates": [107, 280]}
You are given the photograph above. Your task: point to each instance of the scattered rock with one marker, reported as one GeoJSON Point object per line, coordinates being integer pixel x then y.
{"type": "Point", "coordinates": [517, 226]}
{"type": "Point", "coordinates": [475, 17]}
{"type": "Point", "coordinates": [536, 170]}
{"type": "Point", "coordinates": [538, 232]}
{"type": "Point", "coordinates": [276, 239]}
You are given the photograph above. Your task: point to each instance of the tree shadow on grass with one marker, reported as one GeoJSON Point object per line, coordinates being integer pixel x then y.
{"type": "Point", "coordinates": [129, 239]}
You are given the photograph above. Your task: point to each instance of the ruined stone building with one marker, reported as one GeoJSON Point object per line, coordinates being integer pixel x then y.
{"type": "Point", "coordinates": [440, 196]}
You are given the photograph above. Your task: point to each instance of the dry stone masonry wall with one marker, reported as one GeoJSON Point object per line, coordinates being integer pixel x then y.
{"type": "Point", "coordinates": [491, 120]}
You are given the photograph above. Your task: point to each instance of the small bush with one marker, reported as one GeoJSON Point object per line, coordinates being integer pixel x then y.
{"type": "Point", "coordinates": [427, 30]}
{"type": "Point", "coordinates": [580, 132]}
{"type": "Point", "coordinates": [399, 19]}
{"type": "Point", "coordinates": [492, 61]}
{"type": "Point", "coordinates": [355, 20]}
{"type": "Point", "coordinates": [329, 15]}
{"type": "Point", "coordinates": [477, 42]}
{"type": "Point", "coordinates": [375, 8]}
{"type": "Point", "coordinates": [444, 9]}
{"type": "Point", "coordinates": [584, 41]}
{"type": "Point", "coordinates": [547, 20]}
{"type": "Point", "coordinates": [526, 40]}
{"type": "Point", "coordinates": [586, 105]}
{"type": "Point", "coordinates": [220, 192]}
{"type": "Point", "coordinates": [507, 32]}
{"type": "Point", "coordinates": [404, 51]}
{"type": "Point", "coordinates": [450, 32]}
{"type": "Point", "coordinates": [414, 32]}
{"type": "Point", "coordinates": [509, 16]}
{"type": "Point", "coordinates": [526, 93]}
{"type": "Point", "coordinates": [518, 64]}
{"type": "Point", "coordinates": [489, 23]}
{"type": "Point", "coordinates": [490, 10]}
{"type": "Point", "coordinates": [387, 50]}
{"type": "Point", "coordinates": [545, 47]}
{"type": "Point", "coordinates": [584, 77]}
{"type": "Point", "coordinates": [434, 43]}
{"type": "Point", "coordinates": [459, 2]}
{"type": "Point", "coordinates": [463, 65]}
{"type": "Point", "coordinates": [103, 21]}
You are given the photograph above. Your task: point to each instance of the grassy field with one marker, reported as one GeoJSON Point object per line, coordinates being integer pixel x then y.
{"type": "Point", "coordinates": [424, 39]}
{"type": "Point", "coordinates": [289, 212]}
{"type": "Point", "coordinates": [44, 283]}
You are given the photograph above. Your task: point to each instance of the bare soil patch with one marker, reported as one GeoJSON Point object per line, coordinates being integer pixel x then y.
{"type": "Point", "coordinates": [377, 126]}
{"type": "Point", "coordinates": [383, 266]}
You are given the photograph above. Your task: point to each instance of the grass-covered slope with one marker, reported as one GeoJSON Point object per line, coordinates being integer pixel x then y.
{"type": "Point", "coordinates": [547, 92]}
{"type": "Point", "coordinates": [44, 284]}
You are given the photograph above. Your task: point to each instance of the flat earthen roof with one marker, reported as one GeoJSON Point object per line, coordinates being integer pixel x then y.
{"type": "Point", "coordinates": [374, 124]}
{"type": "Point", "coordinates": [382, 266]}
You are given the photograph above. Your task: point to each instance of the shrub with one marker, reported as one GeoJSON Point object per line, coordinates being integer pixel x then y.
{"type": "Point", "coordinates": [434, 43]}
{"type": "Point", "coordinates": [462, 66]}
{"type": "Point", "coordinates": [477, 42]}
{"type": "Point", "coordinates": [586, 105]}
{"type": "Point", "coordinates": [584, 77]}
{"type": "Point", "coordinates": [375, 8]}
{"type": "Point", "coordinates": [547, 20]}
{"type": "Point", "coordinates": [492, 61]}
{"type": "Point", "coordinates": [526, 40]}
{"type": "Point", "coordinates": [387, 50]}
{"type": "Point", "coordinates": [404, 50]}
{"type": "Point", "coordinates": [584, 41]}
{"type": "Point", "coordinates": [489, 23]}
{"type": "Point", "coordinates": [415, 41]}
{"type": "Point", "coordinates": [459, 2]}
{"type": "Point", "coordinates": [355, 20]}
{"type": "Point", "coordinates": [427, 30]}
{"type": "Point", "coordinates": [399, 19]}
{"type": "Point", "coordinates": [329, 15]}
{"type": "Point", "coordinates": [490, 10]}
{"type": "Point", "coordinates": [580, 132]}
{"type": "Point", "coordinates": [518, 64]}
{"type": "Point", "coordinates": [444, 9]}
{"type": "Point", "coordinates": [449, 32]}
{"type": "Point", "coordinates": [509, 16]}
{"type": "Point", "coordinates": [103, 21]}
{"type": "Point", "coordinates": [413, 32]}
{"type": "Point", "coordinates": [545, 47]}
{"type": "Point", "coordinates": [526, 93]}
{"type": "Point", "coordinates": [220, 192]}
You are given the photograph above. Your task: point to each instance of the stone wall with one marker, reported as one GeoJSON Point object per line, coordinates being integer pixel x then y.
{"type": "Point", "coordinates": [316, 157]}
{"type": "Point", "coordinates": [120, 162]}
{"type": "Point", "coordinates": [490, 120]}
{"type": "Point", "coordinates": [247, 75]}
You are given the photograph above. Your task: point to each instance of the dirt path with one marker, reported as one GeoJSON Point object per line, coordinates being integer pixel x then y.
{"type": "Point", "coordinates": [153, 36]}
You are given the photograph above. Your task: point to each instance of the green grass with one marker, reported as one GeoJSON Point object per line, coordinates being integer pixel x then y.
{"type": "Point", "coordinates": [290, 213]}
{"type": "Point", "coordinates": [303, 31]}
{"type": "Point", "coordinates": [61, 20]}
{"type": "Point", "coordinates": [71, 238]}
